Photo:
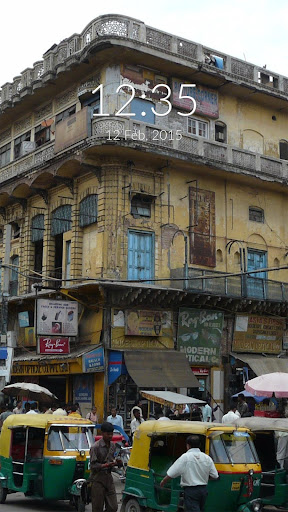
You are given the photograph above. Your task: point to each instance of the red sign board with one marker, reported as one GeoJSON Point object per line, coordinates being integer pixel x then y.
{"type": "Point", "coordinates": [53, 345]}
{"type": "Point", "coordinates": [200, 371]}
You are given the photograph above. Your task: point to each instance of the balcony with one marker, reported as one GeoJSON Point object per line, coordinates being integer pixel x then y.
{"type": "Point", "coordinates": [127, 132]}
{"type": "Point", "coordinates": [191, 148]}
{"type": "Point", "coordinates": [235, 287]}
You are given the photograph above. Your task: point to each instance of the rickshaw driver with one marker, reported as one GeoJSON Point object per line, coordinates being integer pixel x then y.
{"type": "Point", "coordinates": [195, 468]}
{"type": "Point", "coordinates": [102, 461]}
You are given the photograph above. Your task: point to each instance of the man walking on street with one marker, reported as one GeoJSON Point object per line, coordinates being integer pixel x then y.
{"type": "Point", "coordinates": [242, 406]}
{"type": "Point", "coordinates": [102, 461]}
{"type": "Point", "coordinates": [195, 468]}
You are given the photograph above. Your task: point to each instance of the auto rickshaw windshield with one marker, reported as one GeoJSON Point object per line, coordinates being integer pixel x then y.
{"type": "Point", "coordinates": [233, 448]}
{"type": "Point", "coordinates": [62, 438]}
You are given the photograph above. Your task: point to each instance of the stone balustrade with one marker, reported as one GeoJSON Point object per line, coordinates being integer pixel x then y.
{"type": "Point", "coordinates": [121, 131]}
{"type": "Point", "coordinates": [73, 49]}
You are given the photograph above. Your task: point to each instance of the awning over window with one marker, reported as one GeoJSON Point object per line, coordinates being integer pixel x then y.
{"type": "Point", "coordinates": [261, 364]}
{"type": "Point", "coordinates": [160, 369]}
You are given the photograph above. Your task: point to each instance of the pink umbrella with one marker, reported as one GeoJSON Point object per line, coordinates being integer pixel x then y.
{"type": "Point", "coordinates": [268, 384]}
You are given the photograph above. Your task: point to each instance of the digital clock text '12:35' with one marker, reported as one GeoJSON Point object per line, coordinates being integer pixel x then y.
{"type": "Point", "coordinates": [164, 100]}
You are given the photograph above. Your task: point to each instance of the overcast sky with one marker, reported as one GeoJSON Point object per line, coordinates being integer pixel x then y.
{"type": "Point", "coordinates": [253, 30]}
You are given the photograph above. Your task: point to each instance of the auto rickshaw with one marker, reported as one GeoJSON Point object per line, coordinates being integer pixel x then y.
{"type": "Point", "coordinates": [268, 433]}
{"type": "Point", "coordinates": [46, 456]}
{"type": "Point", "coordinates": [157, 444]}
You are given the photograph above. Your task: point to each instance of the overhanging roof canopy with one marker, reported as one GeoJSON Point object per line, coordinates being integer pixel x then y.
{"type": "Point", "coordinates": [261, 364]}
{"type": "Point", "coordinates": [169, 398]}
{"type": "Point", "coordinates": [160, 369]}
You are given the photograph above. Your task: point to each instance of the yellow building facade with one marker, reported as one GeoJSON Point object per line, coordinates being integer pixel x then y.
{"type": "Point", "coordinates": [144, 219]}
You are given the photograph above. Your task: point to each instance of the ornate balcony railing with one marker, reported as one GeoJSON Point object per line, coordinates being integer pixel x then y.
{"type": "Point", "coordinates": [221, 284]}
{"type": "Point", "coordinates": [224, 156]}
{"type": "Point", "coordinates": [71, 50]}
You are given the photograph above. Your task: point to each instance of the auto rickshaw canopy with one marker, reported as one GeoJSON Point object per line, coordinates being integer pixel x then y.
{"type": "Point", "coordinates": [36, 421]}
{"type": "Point", "coordinates": [142, 438]}
{"type": "Point", "coordinates": [259, 423]}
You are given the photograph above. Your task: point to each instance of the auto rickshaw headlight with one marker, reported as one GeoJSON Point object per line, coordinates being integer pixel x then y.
{"type": "Point", "coordinates": [251, 472]}
{"type": "Point", "coordinates": [82, 453]}
{"type": "Point", "coordinates": [256, 506]}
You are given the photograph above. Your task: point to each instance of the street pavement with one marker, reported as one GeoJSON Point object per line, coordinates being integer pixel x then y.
{"type": "Point", "coordinates": [17, 502]}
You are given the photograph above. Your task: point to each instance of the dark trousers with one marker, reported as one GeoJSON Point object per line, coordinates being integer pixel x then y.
{"type": "Point", "coordinates": [194, 498]}
{"type": "Point", "coordinates": [103, 492]}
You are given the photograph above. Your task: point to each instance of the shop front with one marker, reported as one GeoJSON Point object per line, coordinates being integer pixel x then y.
{"type": "Point", "coordinates": [258, 348]}
{"type": "Point", "coordinates": [66, 376]}
{"type": "Point", "coordinates": [142, 356]}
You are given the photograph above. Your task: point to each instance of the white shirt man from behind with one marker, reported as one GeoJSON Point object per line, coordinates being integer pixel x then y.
{"type": "Point", "coordinates": [195, 469]}
{"type": "Point", "coordinates": [232, 415]}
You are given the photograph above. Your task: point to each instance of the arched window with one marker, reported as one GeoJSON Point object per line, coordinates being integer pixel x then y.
{"type": "Point", "coordinates": [37, 235]}
{"type": "Point", "coordinates": [283, 149]}
{"type": "Point", "coordinates": [61, 220]}
{"type": "Point", "coordinates": [14, 273]}
{"type": "Point", "coordinates": [88, 210]}
{"type": "Point", "coordinates": [220, 132]}
{"type": "Point", "coordinates": [256, 214]}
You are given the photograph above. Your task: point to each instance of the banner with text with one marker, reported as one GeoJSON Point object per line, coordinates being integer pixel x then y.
{"type": "Point", "coordinates": [255, 333]}
{"type": "Point", "coordinates": [57, 317]}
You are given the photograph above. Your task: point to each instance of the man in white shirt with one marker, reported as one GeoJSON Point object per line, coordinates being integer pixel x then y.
{"type": "Point", "coordinates": [207, 413]}
{"type": "Point", "coordinates": [18, 408]}
{"type": "Point", "coordinates": [33, 409]}
{"type": "Point", "coordinates": [231, 415]}
{"type": "Point", "coordinates": [136, 421]}
{"type": "Point", "coordinates": [115, 418]}
{"type": "Point", "coordinates": [195, 469]}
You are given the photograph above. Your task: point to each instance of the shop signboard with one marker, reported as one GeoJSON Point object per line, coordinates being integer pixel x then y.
{"type": "Point", "coordinates": [37, 368]}
{"type": "Point", "coordinates": [6, 353]}
{"type": "Point", "coordinates": [143, 322]}
{"type": "Point", "coordinates": [258, 334]}
{"type": "Point", "coordinates": [57, 317]}
{"type": "Point", "coordinates": [93, 361]}
{"type": "Point", "coordinates": [83, 388]}
{"type": "Point", "coordinates": [23, 319]}
{"type": "Point", "coordinates": [53, 345]}
{"type": "Point", "coordinates": [116, 366]}
{"type": "Point", "coordinates": [199, 335]}
{"type": "Point", "coordinates": [206, 99]}
{"type": "Point", "coordinates": [122, 341]}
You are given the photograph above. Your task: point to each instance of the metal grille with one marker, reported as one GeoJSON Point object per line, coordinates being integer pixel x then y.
{"type": "Point", "coordinates": [88, 210]}
{"type": "Point", "coordinates": [61, 220]}
{"type": "Point", "coordinates": [37, 228]}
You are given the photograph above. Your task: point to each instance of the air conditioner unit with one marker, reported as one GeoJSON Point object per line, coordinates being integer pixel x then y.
{"type": "Point", "coordinates": [26, 147]}
{"type": "Point", "coordinates": [3, 339]}
{"type": "Point", "coordinates": [11, 339]}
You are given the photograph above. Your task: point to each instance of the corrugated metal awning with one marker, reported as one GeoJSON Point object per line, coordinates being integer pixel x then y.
{"type": "Point", "coordinates": [74, 353]}
{"type": "Point", "coordinates": [262, 364]}
{"type": "Point", "coordinates": [160, 369]}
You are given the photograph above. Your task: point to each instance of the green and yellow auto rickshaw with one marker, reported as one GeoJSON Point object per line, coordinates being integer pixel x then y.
{"type": "Point", "coordinates": [270, 433]}
{"type": "Point", "coordinates": [46, 456]}
{"type": "Point", "coordinates": [157, 444]}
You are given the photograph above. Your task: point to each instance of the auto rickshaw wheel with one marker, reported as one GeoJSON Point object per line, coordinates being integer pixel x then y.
{"type": "Point", "coordinates": [3, 493]}
{"type": "Point", "coordinates": [80, 504]}
{"type": "Point", "coordinates": [132, 505]}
